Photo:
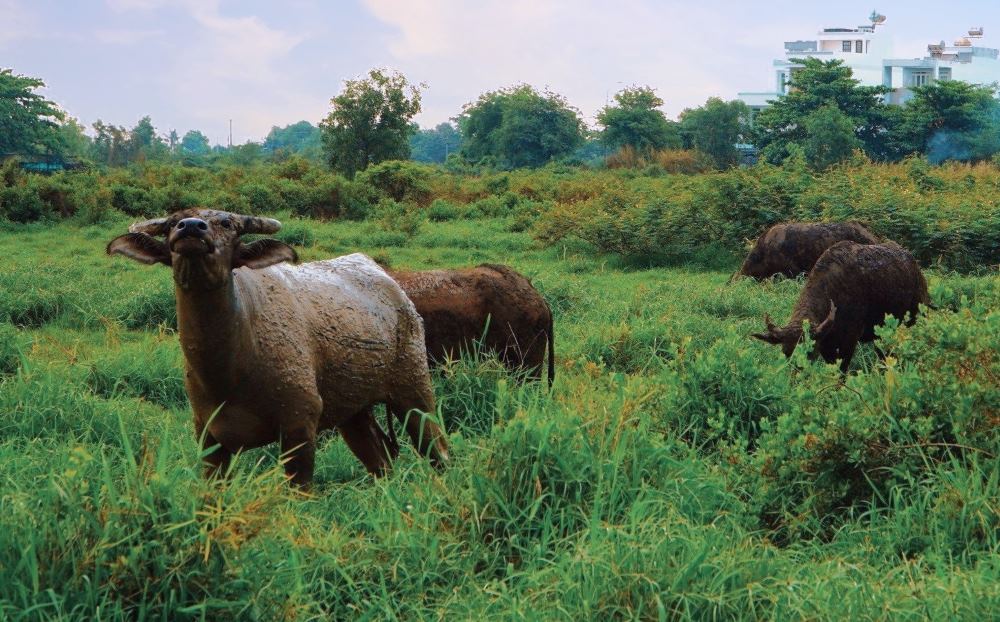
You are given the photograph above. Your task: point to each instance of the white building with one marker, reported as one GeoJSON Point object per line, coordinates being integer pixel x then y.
{"type": "Point", "coordinates": [867, 50]}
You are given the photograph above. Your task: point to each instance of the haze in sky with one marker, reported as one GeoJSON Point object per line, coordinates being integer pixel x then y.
{"type": "Point", "coordinates": [195, 64]}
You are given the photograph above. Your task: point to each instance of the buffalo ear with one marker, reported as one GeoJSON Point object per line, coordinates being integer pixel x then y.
{"type": "Point", "coordinates": [140, 247]}
{"type": "Point", "coordinates": [263, 253]}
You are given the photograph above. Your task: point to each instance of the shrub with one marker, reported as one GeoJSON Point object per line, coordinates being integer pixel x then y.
{"type": "Point", "coordinates": [22, 204]}
{"type": "Point", "coordinates": [399, 180]}
{"type": "Point", "coordinates": [296, 234]}
{"type": "Point", "coordinates": [441, 211]}
{"type": "Point", "coordinates": [404, 218]}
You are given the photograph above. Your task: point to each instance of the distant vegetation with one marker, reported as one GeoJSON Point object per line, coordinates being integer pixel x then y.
{"type": "Point", "coordinates": [826, 116]}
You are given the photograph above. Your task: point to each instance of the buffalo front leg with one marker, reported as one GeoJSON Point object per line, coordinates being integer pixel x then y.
{"type": "Point", "coordinates": [298, 450]}
{"type": "Point", "coordinates": [368, 442]}
{"type": "Point", "coordinates": [215, 457]}
{"type": "Point", "coordinates": [426, 434]}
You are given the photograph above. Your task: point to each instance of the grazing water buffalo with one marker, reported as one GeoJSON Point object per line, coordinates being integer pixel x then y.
{"type": "Point", "coordinates": [277, 352]}
{"type": "Point", "coordinates": [490, 304]}
{"type": "Point", "coordinates": [792, 248]}
{"type": "Point", "coordinates": [849, 292]}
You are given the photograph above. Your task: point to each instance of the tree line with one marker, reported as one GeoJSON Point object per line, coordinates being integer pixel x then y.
{"type": "Point", "coordinates": [826, 117]}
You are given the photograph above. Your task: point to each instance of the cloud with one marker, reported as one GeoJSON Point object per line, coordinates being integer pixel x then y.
{"type": "Point", "coordinates": [583, 50]}
{"type": "Point", "coordinates": [17, 22]}
{"type": "Point", "coordinates": [228, 67]}
{"type": "Point", "coordinates": [112, 36]}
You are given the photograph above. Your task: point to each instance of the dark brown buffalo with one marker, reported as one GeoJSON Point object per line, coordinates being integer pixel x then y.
{"type": "Point", "coordinates": [275, 352]}
{"type": "Point", "coordinates": [791, 248]}
{"type": "Point", "coordinates": [491, 305]}
{"type": "Point", "coordinates": [849, 292]}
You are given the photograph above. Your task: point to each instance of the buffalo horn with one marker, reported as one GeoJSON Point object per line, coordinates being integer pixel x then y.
{"type": "Point", "coordinates": [156, 226]}
{"type": "Point", "coordinates": [255, 224]}
{"type": "Point", "coordinates": [825, 324]}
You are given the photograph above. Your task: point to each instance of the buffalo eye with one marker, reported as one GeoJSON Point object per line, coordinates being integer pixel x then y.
{"type": "Point", "coordinates": [226, 223]}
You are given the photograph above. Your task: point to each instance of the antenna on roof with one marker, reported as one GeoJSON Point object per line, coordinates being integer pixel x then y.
{"type": "Point", "coordinates": [877, 19]}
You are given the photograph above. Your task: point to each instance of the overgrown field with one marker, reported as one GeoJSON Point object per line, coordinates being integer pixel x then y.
{"type": "Point", "coordinates": [677, 470]}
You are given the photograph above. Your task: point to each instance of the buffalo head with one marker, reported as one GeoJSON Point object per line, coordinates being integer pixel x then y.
{"type": "Point", "coordinates": [790, 336]}
{"type": "Point", "coordinates": [202, 246]}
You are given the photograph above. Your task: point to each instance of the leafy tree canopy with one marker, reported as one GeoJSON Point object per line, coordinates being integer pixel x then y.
{"type": "Point", "coordinates": [715, 128]}
{"type": "Point", "coordinates": [829, 138]}
{"type": "Point", "coordinates": [636, 121]}
{"type": "Point", "coordinates": [819, 83]}
{"type": "Point", "coordinates": [302, 138]}
{"type": "Point", "coordinates": [949, 120]}
{"type": "Point", "coordinates": [370, 121]}
{"type": "Point", "coordinates": [195, 143]}
{"type": "Point", "coordinates": [28, 121]}
{"type": "Point", "coordinates": [518, 126]}
{"type": "Point", "coordinates": [435, 145]}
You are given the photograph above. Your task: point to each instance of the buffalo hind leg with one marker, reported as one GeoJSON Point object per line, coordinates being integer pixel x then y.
{"type": "Point", "coordinates": [426, 434]}
{"type": "Point", "coordinates": [298, 448]}
{"type": "Point", "coordinates": [368, 442]}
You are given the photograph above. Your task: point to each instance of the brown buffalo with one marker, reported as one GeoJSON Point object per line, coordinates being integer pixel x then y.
{"type": "Point", "coordinates": [277, 352]}
{"type": "Point", "coordinates": [849, 292]}
{"type": "Point", "coordinates": [491, 305]}
{"type": "Point", "coordinates": [791, 248]}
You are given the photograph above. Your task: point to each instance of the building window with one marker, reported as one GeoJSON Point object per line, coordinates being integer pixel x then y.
{"type": "Point", "coordinates": [847, 46]}
{"type": "Point", "coordinates": [944, 73]}
{"type": "Point", "coordinates": [859, 47]}
{"type": "Point", "coordinates": [920, 78]}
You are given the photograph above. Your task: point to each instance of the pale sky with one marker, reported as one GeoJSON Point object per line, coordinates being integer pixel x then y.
{"type": "Point", "coordinates": [195, 64]}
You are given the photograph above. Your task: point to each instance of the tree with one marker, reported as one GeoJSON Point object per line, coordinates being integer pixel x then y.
{"type": "Point", "coordinates": [195, 144]}
{"type": "Point", "coordinates": [370, 121]}
{"type": "Point", "coordinates": [824, 83]}
{"type": "Point", "coordinates": [71, 139]}
{"type": "Point", "coordinates": [28, 121]}
{"type": "Point", "coordinates": [518, 127]}
{"type": "Point", "coordinates": [302, 138]}
{"type": "Point", "coordinates": [715, 128]}
{"type": "Point", "coordinates": [143, 143]}
{"type": "Point", "coordinates": [435, 145]}
{"type": "Point", "coordinates": [829, 138]}
{"type": "Point", "coordinates": [110, 144]}
{"type": "Point", "coordinates": [949, 120]}
{"type": "Point", "coordinates": [635, 120]}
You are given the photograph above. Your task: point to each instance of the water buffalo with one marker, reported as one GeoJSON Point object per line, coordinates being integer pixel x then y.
{"type": "Point", "coordinates": [849, 292]}
{"type": "Point", "coordinates": [490, 304]}
{"type": "Point", "coordinates": [278, 352]}
{"type": "Point", "coordinates": [791, 248]}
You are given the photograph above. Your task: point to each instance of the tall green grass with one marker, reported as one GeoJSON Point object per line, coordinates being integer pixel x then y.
{"type": "Point", "coordinates": [677, 470]}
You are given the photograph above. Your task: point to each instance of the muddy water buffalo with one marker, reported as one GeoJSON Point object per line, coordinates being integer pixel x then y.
{"type": "Point", "coordinates": [490, 304]}
{"type": "Point", "coordinates": [283, 352]}
{"type": "Point", "coordinates": [849, 292]}
{"type": "Point", "coordinates": [792, 248]}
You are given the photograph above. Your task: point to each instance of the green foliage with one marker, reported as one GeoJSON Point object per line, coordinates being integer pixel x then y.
{"type": "Point", "coordinates": [435, 145]}
{"type": "Point", "coordinates": [715, 129]}
{"type": "Point", "coordinates": [817, 84]}
{"type": "Point", "coordinates": [395, 217]}
{"type": "Point", "coordinates": [677, 469]}
{"type": "Point", "coordinates": [829, 138]}
{"type": "Point", "coordinates": [636, 121]}
{"type": "Point", "coordinates": [519, 127]}
{"type": "Point", "coordinates": [195, 144]}
{"type": "Point", "coordinates": [399, 180]}
{"type": "Point", "coordinates": [302, 138]}
{"type": "Point", "coordinates": [441, 210]}
{"type": "Point", "coordinates": [370, 122]}
{"type": "Point", "coordinates": [949, 120]}
{"type": "Point", "coordinates": [28, 121]}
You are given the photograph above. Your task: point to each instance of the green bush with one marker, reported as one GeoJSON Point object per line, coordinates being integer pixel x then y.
{"type": "Point", "coordinates": [442, 211]}
{"type": "Point", "coordinates": [400, 181]}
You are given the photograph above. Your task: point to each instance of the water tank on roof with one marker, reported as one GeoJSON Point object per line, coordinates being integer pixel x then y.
{"type": "Point", "coordinates": [976, 32]}
{"type": "Point", "coordinates": [963, 43]}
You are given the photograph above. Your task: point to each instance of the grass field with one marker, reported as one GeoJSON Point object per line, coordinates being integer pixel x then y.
{"type": "Point", "coordinates": [677, 469]}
